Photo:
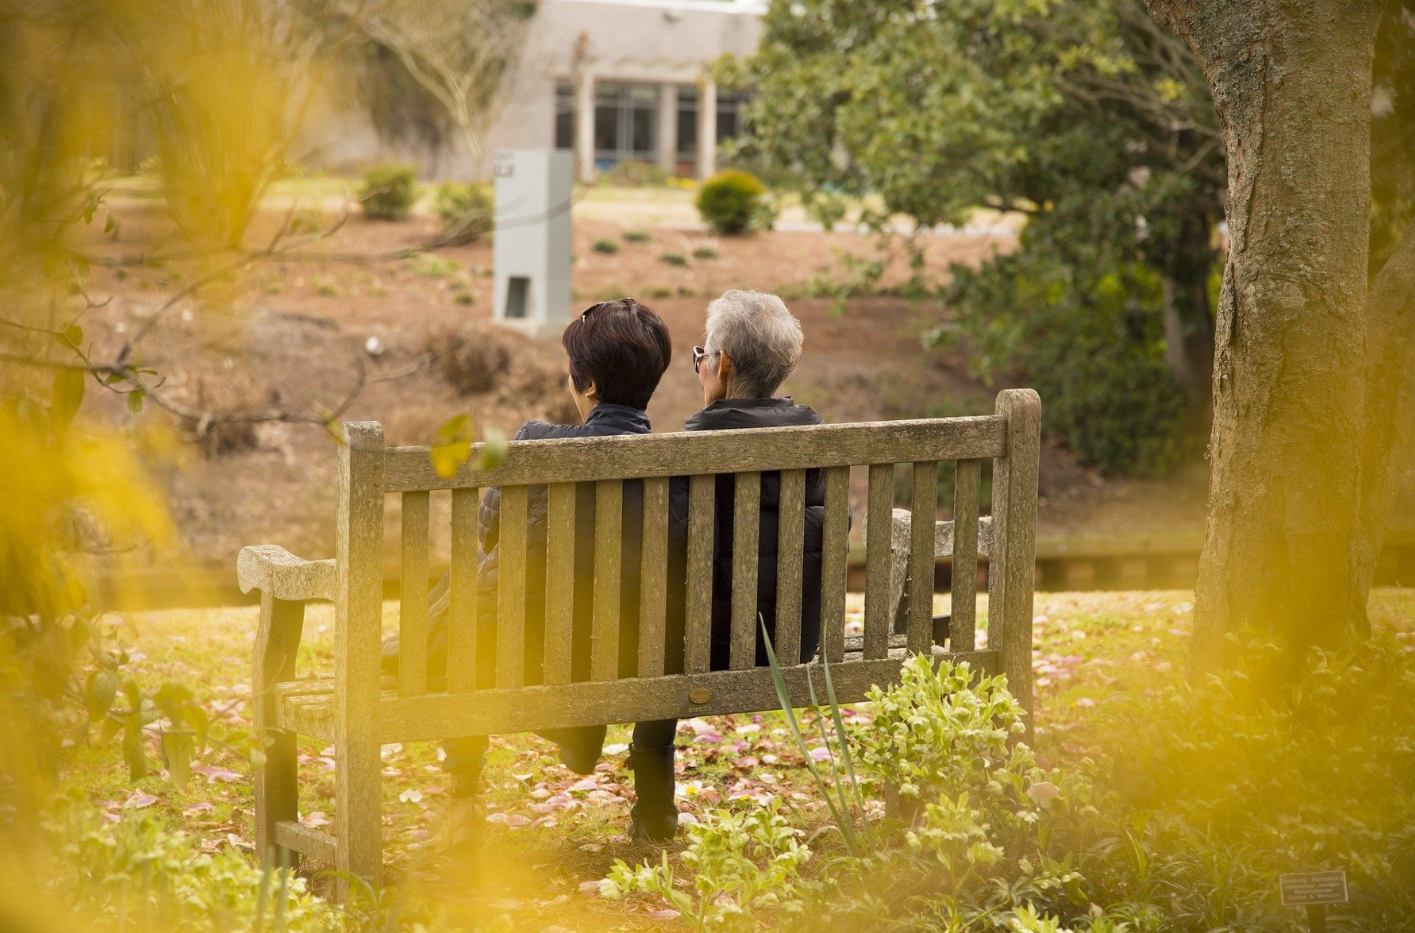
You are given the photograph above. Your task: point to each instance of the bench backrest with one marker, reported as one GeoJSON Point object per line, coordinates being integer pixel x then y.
{"type": "Point", "coordinates": [369, 472]}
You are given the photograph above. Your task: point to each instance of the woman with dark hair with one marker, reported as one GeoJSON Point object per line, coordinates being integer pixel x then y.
{"type": "Point", "coordinates": [618, 350]}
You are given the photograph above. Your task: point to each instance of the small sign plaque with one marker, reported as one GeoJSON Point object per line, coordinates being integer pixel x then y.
{"type": "Point", "coordinates": [1304, 889]}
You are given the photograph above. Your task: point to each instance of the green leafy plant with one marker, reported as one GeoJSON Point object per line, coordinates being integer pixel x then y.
{"type": "Point", "coordinates": [388, 192]}
{"type": "Point", "coordinates": [704, 252]}
{"type": "Point", "coordinates": [466, 208]}
{"type": "Point", "coordinates": [606, 246]}
{"type": "Point", "coordinates": [731, 202]}
{"type": "Point", "coordinates": [674, 259]}
{"type": "Point", "coordinates": [826, 208]}
{"type": "Point", "coordinates": [742, 863]}
{"type": "Point", "coordinates": [637, 236]}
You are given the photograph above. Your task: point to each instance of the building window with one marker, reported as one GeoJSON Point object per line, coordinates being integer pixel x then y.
{"type": "Point", "coordinates": [729, 118]}
{"type": "Point", "coordinates": [625, 123]}
{"type": "Point", "coordinates": [729, 114]}
{"type": "Point", "coordinates": [564, 115]}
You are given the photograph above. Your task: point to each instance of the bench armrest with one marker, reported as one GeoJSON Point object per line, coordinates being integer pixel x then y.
{"type": "Point", "coordinates": [274, 570]}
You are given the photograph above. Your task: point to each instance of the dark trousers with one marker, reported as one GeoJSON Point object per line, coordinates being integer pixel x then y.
{"type": "Point", "coordinates": [651, 758]}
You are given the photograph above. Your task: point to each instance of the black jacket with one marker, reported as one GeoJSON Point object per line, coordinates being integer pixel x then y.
{"type": "Point", "coordinates": [759, 413]}
{"type": "Point", "coordinates": [606, 419]}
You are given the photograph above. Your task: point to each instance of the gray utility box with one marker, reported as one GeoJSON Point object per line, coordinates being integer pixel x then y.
{"type": "Point", "coordinates": [531, 290]}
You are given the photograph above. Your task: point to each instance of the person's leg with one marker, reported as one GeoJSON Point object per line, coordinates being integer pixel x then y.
{"type": "Point", "coordinates": [580, 747]}
{"type": "Point", "coordinates": [654, 817]}
{"type": "Point", "coordinates": [464, 760]}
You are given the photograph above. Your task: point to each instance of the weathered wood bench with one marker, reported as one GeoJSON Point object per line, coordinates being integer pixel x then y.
{"type": "Point", "coordinates": [357, 712]}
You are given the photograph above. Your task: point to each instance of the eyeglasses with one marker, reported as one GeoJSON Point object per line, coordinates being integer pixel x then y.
{"type": "Point", "coordinates": [699, 354]}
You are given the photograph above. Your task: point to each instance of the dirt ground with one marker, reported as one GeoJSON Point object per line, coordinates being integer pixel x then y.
{"type": "Point", "coordinates": [294, 331]}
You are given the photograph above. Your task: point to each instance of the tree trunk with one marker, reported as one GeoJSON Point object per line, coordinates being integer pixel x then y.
{"type": "Point", "coordinates": [1291, 80]}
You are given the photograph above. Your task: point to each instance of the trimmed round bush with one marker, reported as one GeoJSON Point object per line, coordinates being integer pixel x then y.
{"type": "Point", "coordinates": [730, 201]}
{"type": "Point", "coordinates": [388, 192]}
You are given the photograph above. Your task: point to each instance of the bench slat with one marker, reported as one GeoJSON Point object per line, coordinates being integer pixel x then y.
{"type": "Point", "coordinates": [559, 582]}
{"type": "Point", "coordinates": [511, 590]}
{"type": "Point", "coordinates": [498, 712]}
{"type": "Point", "coordinates": [608, 556]}
{"type": "Point", "coordinates": [684, 453]}
{"type": "Point", "coordinates": [879, 615]}
{"type": "Point", "coordinates": [790, 547]}
{"type": "Point", "coordinates": [701, 528]}
{"type": "Point", "coordinates": [923, 508]}
{"type": "Point", "coordinates": [836, 548]}
{"type": "Point", "coordinates": [462, 597]}
{"type": "Point", "coordinates": [653, 578]}
{"type": "Point", "coordinates": [746, 528]}
{"type": "Point", "coordinates": [962, 633]}
{"type": "Point", "coordinates": [412, 611]}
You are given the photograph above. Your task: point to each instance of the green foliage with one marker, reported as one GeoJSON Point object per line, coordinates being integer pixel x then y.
{"type": "Point", "coordinates": [1091, 344]}
{"type": "Point", "coordinates": [742, 863]}
{"type": "Point", "coordinates": [1085, 116]}
{"type": "Point", "coordinates": [704, 252]}
{"type": "Point", "coordinates": [605, 245]}
{"type": "Point", "coordinates": [674, 259]}
{"type": "Point", "coordinates": [388, 192]}
{"type": "Point", "coordinates": [136, 868]}
{"type": "Point", "coordinates": [732, 202]}
{"type": "Point", "coordinates": [826, 208]}
{"type": "Point", "coordinates": [637, 236]}
{"type": "Point", "coordinates": [1207, 793]}
{"type": "Point", "coordinates": [467, 209]}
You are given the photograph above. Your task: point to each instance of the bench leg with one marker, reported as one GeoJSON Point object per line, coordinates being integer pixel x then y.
{"type": "Point", "coordinates": [276, 794]}
{"type": "Point", "coordinates": [358, 813]}
{"type": "Point", "coordinates": [276, 781]}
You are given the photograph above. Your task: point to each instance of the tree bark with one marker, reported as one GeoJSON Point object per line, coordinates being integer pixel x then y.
{"type": "Point", "coordinates": [1291, 80]}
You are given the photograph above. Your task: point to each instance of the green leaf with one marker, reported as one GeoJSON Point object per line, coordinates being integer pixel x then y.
{"type": "Point", "coordinates": [177, 751]}
{"type": "Point", "coordinates": [72, 336]}
{"type": "Point", "coordinates": [110, 224]}
{"type": "Point", "coordinates": [493, 449]}
{"type": "Point", "coordinates": [135, 401]}
{"type": "Point", "coordinates": [99, 693]}
{"type": "Point", "coordinates": [451, 445]}
{"type": "Point", "coordinates": [65, 397]}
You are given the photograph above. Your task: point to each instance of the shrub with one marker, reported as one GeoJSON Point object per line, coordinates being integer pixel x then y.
{"type": "Point", "coordinates": [606, 246]}
{"type": "Point", "coordinates": [674, 259]}
{"type": "Point", "coordinates": [467, 209]}
{"type": "Point", "coordinates": [704, 252]}
{"type": "Point", "coordinates": [826, 208]}
{"type": "Point", "coordinates": [731, 202]}
{"type": "Point", "coordinates": [388, 192]}
{"type": "Point", "coordinates": [1089, 339]}
{"type": "Point", "coordinates": [472, 360]}
{"type": "Point", "coordinates": [637, 236]}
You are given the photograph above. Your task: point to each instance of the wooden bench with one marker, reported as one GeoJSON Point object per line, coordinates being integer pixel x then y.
{"type": "Point", "coordinates": [357, 711]}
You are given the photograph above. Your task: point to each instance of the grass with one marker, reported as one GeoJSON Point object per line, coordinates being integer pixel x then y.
{"type": "Point", "coordinates": [555, 833]}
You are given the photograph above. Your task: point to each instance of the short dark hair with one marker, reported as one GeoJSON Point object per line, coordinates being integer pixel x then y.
{"type": "Point", "coordinates": [622, 347]}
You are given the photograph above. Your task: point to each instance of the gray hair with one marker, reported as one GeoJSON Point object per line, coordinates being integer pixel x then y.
{"type": "Point", "coordinates": [760, 335]}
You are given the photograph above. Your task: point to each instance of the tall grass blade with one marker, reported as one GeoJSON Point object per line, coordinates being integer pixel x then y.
{"type": "Point", "coordinates": [842, 820]}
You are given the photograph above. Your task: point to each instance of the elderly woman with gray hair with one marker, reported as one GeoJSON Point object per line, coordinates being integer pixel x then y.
{"type": "Point", "coordinates": [753, 343]}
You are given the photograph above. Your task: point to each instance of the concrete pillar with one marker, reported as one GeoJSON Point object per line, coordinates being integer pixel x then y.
{"type": "Point", "coordinates": [668, 128]}
{"type": "Point", "coordinates": [584, 125]}
{"type": "Point", "coordinates": [707, 127]}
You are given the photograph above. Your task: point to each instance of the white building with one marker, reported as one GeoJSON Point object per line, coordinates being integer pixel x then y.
{"type": "Point", "coordinates": [613, 80]}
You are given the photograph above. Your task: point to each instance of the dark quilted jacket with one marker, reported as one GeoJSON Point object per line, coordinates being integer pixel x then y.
{"type": "Point", "coordinates": [758, 413]}
{"type": "Point", "coordinates": [605, 419]}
